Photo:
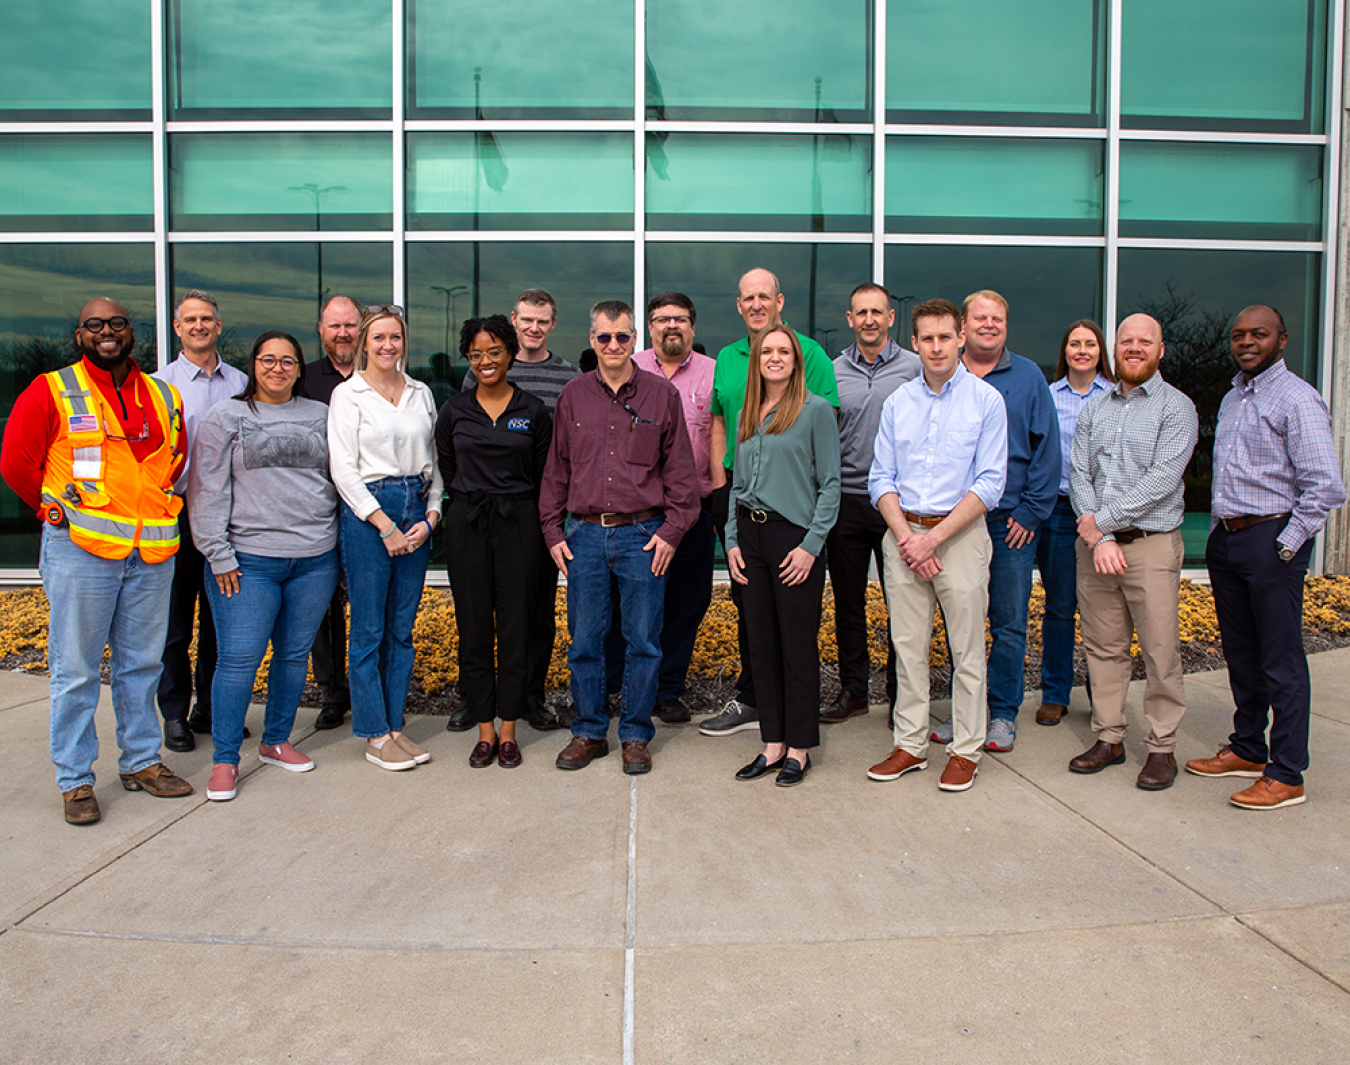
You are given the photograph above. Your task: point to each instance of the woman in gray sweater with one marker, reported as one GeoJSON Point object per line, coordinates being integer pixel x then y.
{"type": "Point", "coordinates": [264, 515]}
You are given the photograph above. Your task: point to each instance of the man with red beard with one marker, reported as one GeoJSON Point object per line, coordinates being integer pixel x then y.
{"type": "Point", "coordinates": [1130, 449]}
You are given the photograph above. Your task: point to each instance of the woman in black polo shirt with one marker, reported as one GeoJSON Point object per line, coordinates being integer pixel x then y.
{"type": "Point", "coordinates": [492, 443]}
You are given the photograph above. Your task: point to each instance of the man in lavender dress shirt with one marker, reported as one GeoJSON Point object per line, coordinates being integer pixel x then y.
{"type": "Point", "coordinates": [1275, 480]}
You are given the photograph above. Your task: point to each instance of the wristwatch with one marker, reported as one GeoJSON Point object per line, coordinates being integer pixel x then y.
{"type": "Point", "coordinates": [1284, 552]}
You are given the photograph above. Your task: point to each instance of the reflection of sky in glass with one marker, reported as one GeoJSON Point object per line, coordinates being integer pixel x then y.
{"type": "Point", "coordinates": [744, 53]}
{"type": "Point", "coordinates": [43, 287]}
{"type": "Point", "coordinates": [534, 54]}
{"type": "Point", "coordinates": [37, 70]}
{"type": "Point", "coordinates": [294, 54]}
{"type": "Point", "coordinates": [50, 176]}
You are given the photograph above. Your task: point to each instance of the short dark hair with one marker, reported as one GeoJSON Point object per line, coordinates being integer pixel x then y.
{"type": "Point", "coordinates": [611, 309]}
{"type": "Point", "coordinates": [536, 297]}
{"type": "Point", "coordinates": [935, 308]}
{"type": "Point", "coordinates": [496, 325]}
{"type": "Point", "coordinates": [671, 299]}
{"type": "Point", "coordinates": [251, 388]}
{"type": "Point", "coordinates": [869, 286]}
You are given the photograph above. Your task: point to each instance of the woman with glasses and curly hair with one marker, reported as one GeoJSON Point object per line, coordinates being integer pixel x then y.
{"type": "Point", "coordinates": [380, 426]}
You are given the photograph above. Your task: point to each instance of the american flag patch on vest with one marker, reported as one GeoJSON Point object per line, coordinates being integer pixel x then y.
{"type": "Point", "coordinates": [83, 423]}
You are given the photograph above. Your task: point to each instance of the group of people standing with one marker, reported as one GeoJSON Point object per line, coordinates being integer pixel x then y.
{"type": "Point", "coordinates": [290, 490]}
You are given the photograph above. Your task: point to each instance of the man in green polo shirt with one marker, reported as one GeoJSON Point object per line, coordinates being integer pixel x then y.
{"type": "Point", "coordinates": [760, 303]}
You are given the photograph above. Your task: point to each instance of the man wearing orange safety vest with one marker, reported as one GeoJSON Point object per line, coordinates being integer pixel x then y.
{"type": "Point", "coordinates": [94, 448]}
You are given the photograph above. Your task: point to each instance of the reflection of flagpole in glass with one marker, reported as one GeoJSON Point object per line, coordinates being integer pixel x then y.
{"type": "Point", "coordinates": [318, 194]}
{"type": "Point", "coordinates": [495, 173]}
{"type": "Point", "coordinates": [817, 220]}
{"type": "Point", "coordinates": [451, 300]}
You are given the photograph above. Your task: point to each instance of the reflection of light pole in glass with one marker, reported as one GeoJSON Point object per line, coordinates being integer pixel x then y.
{"type": "Point", "coordinates": [901, 324]}
{"type": "Point", "coordinates": [318, 194]}
{"type": "Point", "coordinates": [451, 308]}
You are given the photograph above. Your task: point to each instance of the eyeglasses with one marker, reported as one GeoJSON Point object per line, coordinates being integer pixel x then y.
{"type": "Point", "coordinates": [491, 355]}
{"type": "Point", "coordinates": [144, 434]}
{"type": "Point", "coordinates": [384, 308]}
{"type": "Point", "coordinates": [271, 362]}
{"type": "Point", "coordinates": [604, 339]}
{"type": "Point", "coordinates": [670, 319]}
{"type": "Point", "coordinates": [95, 325]}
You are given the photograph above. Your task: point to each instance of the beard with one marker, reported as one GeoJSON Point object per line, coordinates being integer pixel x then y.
{"type": "Point", "coordinates": [672, 346]}
{"type": "Point", "coordinates": [337, 357]}
{"type": "Point", "coordinates": [1136, 377]}
{"type": "Point", "coordinates": [90, 352]}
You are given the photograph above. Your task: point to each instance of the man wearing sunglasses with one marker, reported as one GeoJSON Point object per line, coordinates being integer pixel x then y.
{"type": "Point", "coordinates": [94, 449]}
{"type": "Point", "coordinates": [620, 491]}
{"type": "Point", "coordinates": [203, 379]}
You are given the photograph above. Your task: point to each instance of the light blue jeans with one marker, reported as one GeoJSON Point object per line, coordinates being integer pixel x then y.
{"type": "Point", "coordinates": [96, 602]}
{"type": "Point", "coordinates": [282, 600]}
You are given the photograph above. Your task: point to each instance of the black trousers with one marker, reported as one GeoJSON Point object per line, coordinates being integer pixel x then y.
{"type": "Point", "coordinates": [187, 602]}
{"type": "Point", "coordinates": [494, 568]}
{"type": "Point", "coordinates": [1259, 603]}
{"type": "Point", "coordinates": [745, 683]}
{"type": "Point", "coordinates": [854, 541]}
{"type": "Point", "coordinates": [784, 623]}
{"type": "Point", "coordinates": [329, 653]}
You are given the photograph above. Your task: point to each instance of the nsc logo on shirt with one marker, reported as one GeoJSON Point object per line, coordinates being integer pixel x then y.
{"type": "Point", "coordinates": [518, 425]}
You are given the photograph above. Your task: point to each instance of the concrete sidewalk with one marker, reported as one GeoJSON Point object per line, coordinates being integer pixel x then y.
{"type": "Point", "coordinates": [534, 916]}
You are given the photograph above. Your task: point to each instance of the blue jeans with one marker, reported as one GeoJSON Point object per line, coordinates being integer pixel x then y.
{"type": "Point", "coordinates": [120, 603]}
{"type": "Point", "coordinates": [597, 553]}
{"type": "Point", "coordinates": [1058, 563]}
{"type": "Point", "coordinates": [385, 592]}
{"type": "Point", "coordinates": [1009, 593]}
{"type": "Point", "coordinates": [279, 599]}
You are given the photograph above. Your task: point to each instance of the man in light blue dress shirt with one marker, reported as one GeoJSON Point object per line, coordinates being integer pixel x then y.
{"type": "Point", "coordinates": [939, 463]}
{"type": "Point", "coordinates": [203, 380]}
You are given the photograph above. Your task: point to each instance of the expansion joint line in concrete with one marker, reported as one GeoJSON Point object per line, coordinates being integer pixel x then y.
{"type": "Point", "coordinates": [630, 925]}
{"type": "Point", "coordinates": [1179, 882]}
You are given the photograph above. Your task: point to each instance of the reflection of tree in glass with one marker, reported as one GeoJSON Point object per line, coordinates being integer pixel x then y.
{"type": "Point", "coordinates": [22, 358]}
{"type": "Point", "coordinates": [1198, 362]}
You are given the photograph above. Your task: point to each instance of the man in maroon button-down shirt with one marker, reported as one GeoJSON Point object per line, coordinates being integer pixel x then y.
{"type": "Point", "coordinates": [620, 490]}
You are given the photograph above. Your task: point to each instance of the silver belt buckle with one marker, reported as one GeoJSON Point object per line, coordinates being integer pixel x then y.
{"type": "Point", "coordinates": [605, 523]}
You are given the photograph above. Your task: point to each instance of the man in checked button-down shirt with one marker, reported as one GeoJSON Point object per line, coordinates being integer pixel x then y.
{"type": "Point", "coordinates": [1129, 451]}
{"type": "Point", "coordinates": [1275, 480]}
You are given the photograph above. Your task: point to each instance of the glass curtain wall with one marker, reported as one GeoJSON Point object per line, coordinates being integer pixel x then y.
{"type": "Point", "coordinates": [444, 155]}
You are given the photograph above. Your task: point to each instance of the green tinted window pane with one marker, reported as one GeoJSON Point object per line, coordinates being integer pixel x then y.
{"type": "Point", "coordinates": [50, 70]}
{"type": "Point", "coordinates": [1195, 295]}
{"type": "Point", "coordinates": [280, 286]}
{"type": "Point", "coordinates": [759, 182]}
{"type": "Point", "coordinates": [816, 280]}
{"type": "Point", "coordinates": [1224, 64]}
{"type": "Point", "coordinates": [42, 288]}
{"type": "Point", "coordinates": [997, 63]}
{"type": "Point", "coordinates": [1218, 191]}
{"type": "Point", "coordinates": [300, 58]}
{"type": "Point", "coordinates": [448, 283]}
{"type": "Point", "coordinates": [534, 59]}
{"type": "Point", "coordinates": [702, 65]}
{"type": "Point", "coordinates": [520, 181]}
{"type": "Point", "coordinates": [960, 185]}
{"type": "Point", "coordinates": [45, 183]}
{"type": "Point", "coordinates": [262, 181]}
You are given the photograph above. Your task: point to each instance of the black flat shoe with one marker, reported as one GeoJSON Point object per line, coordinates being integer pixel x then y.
{"type": "Point", "coordinates": [461, 720]}
{"type": "Point", "coordinates": [177, 735]}
{"type": "Point", "coordinates": [758, 768]}
{"type": "Point", "coordinates": [793, 772]}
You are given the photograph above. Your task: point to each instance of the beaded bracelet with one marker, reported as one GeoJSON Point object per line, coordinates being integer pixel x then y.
{"type": "Point", "coordinates": [386, 535]}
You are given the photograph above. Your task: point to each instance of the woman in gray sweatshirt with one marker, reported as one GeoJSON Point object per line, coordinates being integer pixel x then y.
{"type": "Point", "coordinates": [264, 513]}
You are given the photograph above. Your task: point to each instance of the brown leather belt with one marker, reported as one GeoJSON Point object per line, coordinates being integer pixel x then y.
{"type": "Point", "coordinates": [1248, 520]}
{"type": "Point", "coordinates": [1129, 536]}
{"type": "Point", "coordinates": [610, 521]}
{"type": "Point", "coordinates": [926, 520]}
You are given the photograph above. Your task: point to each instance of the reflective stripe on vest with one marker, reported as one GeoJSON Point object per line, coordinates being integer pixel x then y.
{"type": "Point", "coordinates": [82, 411]}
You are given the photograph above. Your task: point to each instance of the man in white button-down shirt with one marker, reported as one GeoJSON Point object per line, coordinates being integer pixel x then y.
{"type": "Point", "coordinates": [939, 462]}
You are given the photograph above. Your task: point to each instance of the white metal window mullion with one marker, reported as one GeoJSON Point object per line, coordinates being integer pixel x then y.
{"type": "Point", "coordinates": [639, 171]}
{"type": "Point", "coordinates": [879, 145]}
{"type": "Point", "coordinates": [160, 177]}
{"type": "Point", "coordinates": [399, 149]}
{"type": "Point", "coordinates": [1111, 180]}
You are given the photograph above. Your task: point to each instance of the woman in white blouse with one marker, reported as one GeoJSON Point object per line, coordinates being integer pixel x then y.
{"type": "Point", "coordinates": [380, 428]}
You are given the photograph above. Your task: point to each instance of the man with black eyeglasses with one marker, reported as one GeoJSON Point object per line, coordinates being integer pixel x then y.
{"type": "Point", "coordinates": [94, 449]}
{"type": "Point", "coordinates": [203, 379]}
{"type": "Point", "coordinates": [620, 491]}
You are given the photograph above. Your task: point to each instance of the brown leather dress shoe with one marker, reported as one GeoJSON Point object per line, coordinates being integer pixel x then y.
{"type": "Point", "coordinates": [895, 765]}
{"type": "Point", "coordinates": [1050, 713]}
{"type": "Point", "coordinates": [1268, 794]}
{"type": "Point", "coordinates": [159, 780]}
{"type": "Point", "coordinates": [1097, 757]}
{"type": "Point", "coordinates": [579, 753]}
{"type": "Point", "coordinates": [82, 807]}
{"type": "Point", "coordinates": [508, 755]}
{"type": "Point", "coordinates": [1159, 771]}
{"type": "Point", "coordinates": [1225, 764]}
{"type": "Point", "coordinates": [636, 758]}
{"type": "Point", "coordinates": [484, 753]}
{"type": "Point", "coordinates": [848, 705]}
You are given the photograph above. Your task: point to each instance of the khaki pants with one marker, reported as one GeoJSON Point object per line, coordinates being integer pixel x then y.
{"type": "Point", "coordinates": [1111, 609]}
{"type": "Point", "coordinates": [962, 587]}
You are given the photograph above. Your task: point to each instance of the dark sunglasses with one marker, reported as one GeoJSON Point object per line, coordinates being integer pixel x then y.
{"type": "Point", "coordinates": [603, 339]}
{"type": "Point", "coordinates": [95, 325]}
{"type": "Point", "coordinates": [384, 308]}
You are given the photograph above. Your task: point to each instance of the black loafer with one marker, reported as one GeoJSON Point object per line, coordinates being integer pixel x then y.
{"type": "Point", "coordinates": [330, 717]}
{"type": "Point", "coordinates": [793, 772]}
{"type": "Point", "coordinates": [758, 768]}
{"type": "Point", "coordinates": [461, 720]}
{"type": "Point", "coordinates": [177, 735]}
